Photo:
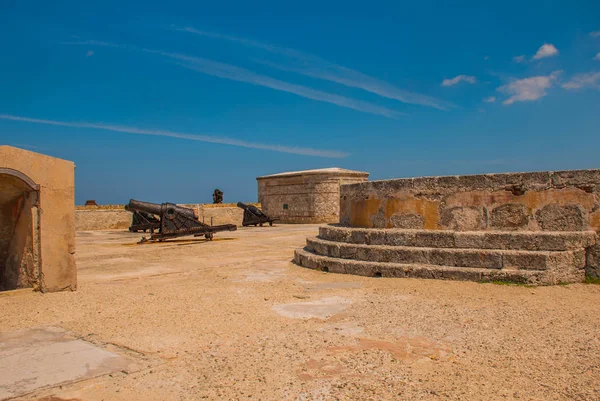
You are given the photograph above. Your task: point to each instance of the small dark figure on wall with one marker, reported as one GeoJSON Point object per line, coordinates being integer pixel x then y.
{"type": "Point", "coordinates": [218, 196]}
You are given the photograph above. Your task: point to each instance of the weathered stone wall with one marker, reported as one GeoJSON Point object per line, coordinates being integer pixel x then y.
{"type": "Point", "coordinates": [311, 197]}
{"type": "Point", "coordinates": [91, 219]}
{"type": "Point", "coordinates": [52, 228]}
{"type": "Point", "coordinates": [541, 201]}
{"type": "Point", "coordinates": [22, 269]}
{"type": "Point", "coordinates": [115, 217]}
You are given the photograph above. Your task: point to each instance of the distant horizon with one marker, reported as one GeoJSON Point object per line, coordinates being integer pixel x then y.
{"type": "Point", "coordinates": [168, 102]}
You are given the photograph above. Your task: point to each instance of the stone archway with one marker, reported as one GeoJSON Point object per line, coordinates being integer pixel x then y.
{"type": "Point", "coordinates": [19, 231]}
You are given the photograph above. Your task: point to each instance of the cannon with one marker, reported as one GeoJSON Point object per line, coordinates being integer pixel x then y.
{"type": "Point", "coordinates": [253, 216]}
{"type": "Point", "coordinates": [176, 221]}
{"type": "Point", "coordinates": [142, 221]}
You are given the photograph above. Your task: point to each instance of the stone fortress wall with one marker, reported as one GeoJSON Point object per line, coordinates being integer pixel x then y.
{"type": "Point", "coordinates": [305, 197]}
{"type": "Point", "coordinates": [115, 217]}
{"type": "Point", "coordinates": [536, 228]}
{"type": "Point", "coordinates": [546, 201]}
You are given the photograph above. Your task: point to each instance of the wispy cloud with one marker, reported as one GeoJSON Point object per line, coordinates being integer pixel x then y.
{"type": "Point", "coordinates": [582, 81]}
{"type": "Point", "coordinates": [89, 53]}
{"type": "Point", "coordinates": [235, 73]}
{"type": "Point", "coordinates": [459, 78]}
{"type": "Point", "coordinates": [490, 99]}
{"type": "Point", "coordinates": [546, 50]}
{"type": "Point", "coordinates": [316, 67]}
{"type": "Point", "coordinates": [595, 34]}
{"type": "Point", "coordinates": [180, 135]}
{"type": "Point", "coordinates": [528, 89]}
{"type": "Point", "coordinates": [519, 59]}
{"type": "Point", "coordinates": [228, 71]}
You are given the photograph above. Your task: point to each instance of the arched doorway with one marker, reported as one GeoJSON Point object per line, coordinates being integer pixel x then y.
{"type": "Point", "coordinates": [19, 231]}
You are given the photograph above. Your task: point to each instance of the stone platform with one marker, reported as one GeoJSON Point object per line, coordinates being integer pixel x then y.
{"type": "Point", "coordinates": [532, 257]}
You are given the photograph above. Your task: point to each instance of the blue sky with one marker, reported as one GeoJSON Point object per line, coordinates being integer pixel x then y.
{"type": "Point", "coordinates": [166, 101]}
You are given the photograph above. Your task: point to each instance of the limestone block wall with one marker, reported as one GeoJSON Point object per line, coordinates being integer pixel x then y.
{"type": "Point", "coordinates": [310, 196]}
{"type": "Point", "coordinates": [37, 216]}
{"type": "Point", "coordinates": [540, 201]}
{"type": "Point", "coordinates": [115, 217]}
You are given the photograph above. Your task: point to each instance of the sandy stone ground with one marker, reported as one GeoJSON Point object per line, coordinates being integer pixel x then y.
{"type": "Point", "coordinates": [234, 319]}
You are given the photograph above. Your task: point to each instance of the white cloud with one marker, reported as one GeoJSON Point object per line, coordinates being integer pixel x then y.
{"type": "Point", "coordinates": [595, 34]}
{"type": "Point", "coordinates": [313, 66]}
{"type": "Point", "coordinates": [528, 89]}
{"type": "Point", "coordinates": [580, 81]}
{"type": "Point", "coordinates": [89, 53]}
{"type": "Point", "coordinates": [453, 81]}
{"type": "Point", "coordinates": [546, 50]}
{"type": "Point", "coordinates": [490, 99]}
{"type": "Point", "coordinates": [191, 137]}
{"type": "Point", "coordinates": [519, 59]}
{"type": "Point", "coordinates": [486, 57]}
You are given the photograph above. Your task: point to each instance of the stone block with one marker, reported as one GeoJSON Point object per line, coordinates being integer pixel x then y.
{"type": "Point", "coordinates": [432, 239]}
{"type": "Point", "coordinates": [525, 260]}
{"type": "Point", "coordinates": [358, 236]}
{"type": "Point", "coordinates": [398, 238]}
{"type": "Point", "coordinates": [471, 239]}
{"type": "Point", "coordinates": [407, 221]}
{"type": "Point", "coordinates": [467, 218]}
{"type": "Point", "coordinates": [377, 237]}
{"type": "Point", "coordinates": [592, 267]}
{"type": "Point", "coordinates": [554, 217]}
{"type": "Point", "coordinates": [575, 178]}
{"type": "Point", "coordinates": [510, 216]}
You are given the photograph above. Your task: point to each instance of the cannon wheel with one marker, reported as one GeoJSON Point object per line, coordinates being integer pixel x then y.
{"type": "Point", "coordinates": [209, 236]}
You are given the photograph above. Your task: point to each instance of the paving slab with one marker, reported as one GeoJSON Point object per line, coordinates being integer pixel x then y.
{"type": "Point", "coordinates": [35, 358]}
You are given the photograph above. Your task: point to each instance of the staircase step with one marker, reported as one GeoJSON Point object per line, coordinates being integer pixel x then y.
{"type": "Point", "coordinates": [304, 257]}
{"type": "Point", "coordinates": [510, 240]}
{"type": "Point", "coordinates": [465, 257]}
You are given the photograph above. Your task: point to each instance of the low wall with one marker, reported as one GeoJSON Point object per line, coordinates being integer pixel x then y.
{"type": "Point", "coordinates": [107, 217]}
{"type": "Point", "coordinates": [541, 201]}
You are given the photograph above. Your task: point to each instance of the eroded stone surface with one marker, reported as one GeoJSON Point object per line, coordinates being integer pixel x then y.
{"type": "Point", "coordinates": [561, 218]}
{"type": "Point", "coordinates": [511, 216]}
{"type": "Point", "coordinates": [463, 218]}
{"type": "Point", "coordinates": [407, 220]}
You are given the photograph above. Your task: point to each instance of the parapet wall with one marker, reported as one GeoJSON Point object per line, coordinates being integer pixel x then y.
{"type": "Point", "coordinates": [115, 217]}
{"type": "Point", "coordinates": [540, 201]}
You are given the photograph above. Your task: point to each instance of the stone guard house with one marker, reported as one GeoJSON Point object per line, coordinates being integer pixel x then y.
{"type": "Point", "coordinates": [37, 223]}
{"type": "Point", "coordinates": [310, 196]}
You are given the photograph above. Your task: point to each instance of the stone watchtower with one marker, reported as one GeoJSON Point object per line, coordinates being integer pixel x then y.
{"type": "Point", "coordinates": [309, 196]}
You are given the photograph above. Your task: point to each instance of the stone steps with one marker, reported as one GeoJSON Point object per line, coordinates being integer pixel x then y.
{"type": "Point", "coordinates": [508, 240]}
{"type": "Point", "coordinates": [450, 257]}
{"type": "Point", "coordinates": [306, 258]}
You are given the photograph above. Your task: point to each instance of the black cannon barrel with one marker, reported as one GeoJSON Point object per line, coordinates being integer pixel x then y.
{"type": "Point", "coordinates": [147, 207]}
{"type": "Point", "coordinates": [252, 209]}
{"type": "Point", "coordinates": [157, 209]}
